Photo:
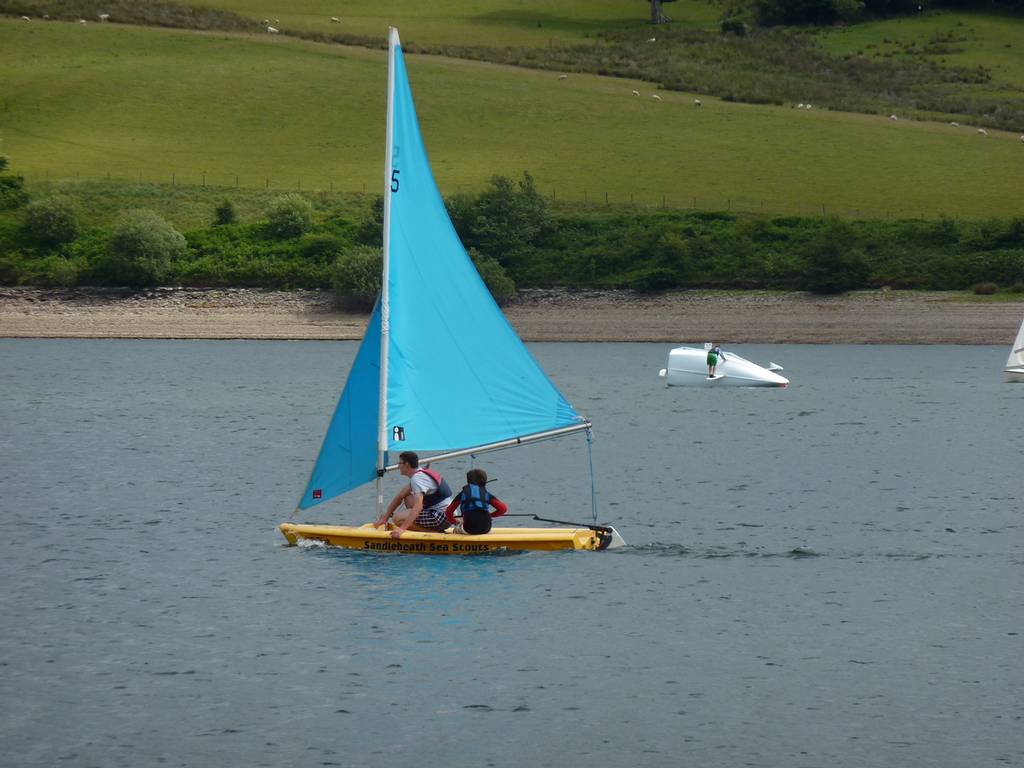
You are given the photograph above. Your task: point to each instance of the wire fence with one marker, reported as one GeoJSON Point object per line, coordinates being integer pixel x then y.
{"type": "Point", "coordinates": [675, 200]}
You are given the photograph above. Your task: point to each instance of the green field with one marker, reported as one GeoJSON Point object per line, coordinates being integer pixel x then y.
{"type": "Point", "coordinates": [87, 101]}
{"type": "Point", "coordinates": [975, 41]}
{"type": "Point", "coordinates": [457, 22]}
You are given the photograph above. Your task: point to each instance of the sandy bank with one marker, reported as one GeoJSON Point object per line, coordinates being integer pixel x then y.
{"type": "Point", "coordinates": [866, 317]}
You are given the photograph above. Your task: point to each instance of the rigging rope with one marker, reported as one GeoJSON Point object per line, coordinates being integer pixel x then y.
{"type": "Point", "coordinates": [593, 484]}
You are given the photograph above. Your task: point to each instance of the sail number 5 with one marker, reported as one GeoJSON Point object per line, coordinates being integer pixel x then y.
{"type": "Point", "coordinates": [394, 180]}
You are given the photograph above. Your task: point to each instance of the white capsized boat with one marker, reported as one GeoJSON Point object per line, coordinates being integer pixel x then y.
{"type": "Point", "coordinates": [1014, 371]}
{"type": "Point", "coordinates": [688, 367]}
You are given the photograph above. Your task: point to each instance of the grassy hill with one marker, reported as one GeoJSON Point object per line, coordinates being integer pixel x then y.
{"type": "Point", "coordinates": [534, 23]}
{"type": "Point", "coordinates": [88, 101]}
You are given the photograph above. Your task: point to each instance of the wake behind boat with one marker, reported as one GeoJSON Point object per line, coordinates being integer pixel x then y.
{"type": "Point", "coordinates": [440, 372]}
{"type": "Point", "coordinates": [688, 367]}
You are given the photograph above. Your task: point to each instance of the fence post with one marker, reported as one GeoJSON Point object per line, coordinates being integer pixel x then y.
{"type": "Point", "coordinates": [172, 179]}
{"type": "Point", "coordinates": [204, 178]}
{"type": "Point", "coordinates": [606, 198]}
{"type": "Point", "coordinates": [236, 181]}
{"type": "Point", "coordinates": [823, 209]}
{"type": "Point", "coordinates": [584, 195]}
{"type": "Point", "coordinates": [268, 183]}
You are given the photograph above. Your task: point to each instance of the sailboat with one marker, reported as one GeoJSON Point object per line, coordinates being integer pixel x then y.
{"type": "Point", "coordinates": [1014, 371]}
{"type": "Point", "coordinates": [440, 371]}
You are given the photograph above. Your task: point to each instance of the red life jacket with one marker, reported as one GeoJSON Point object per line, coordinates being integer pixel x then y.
{"type": "Point", "coordinates": [437, 496]}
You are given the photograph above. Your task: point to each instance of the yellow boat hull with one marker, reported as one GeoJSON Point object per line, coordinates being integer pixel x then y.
{"type": "Point", "coordinates": [370, 539]}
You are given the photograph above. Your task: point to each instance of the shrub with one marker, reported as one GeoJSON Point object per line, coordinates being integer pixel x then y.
{"type": "Point", "coordinates": [371, 228]}
{"type": "Point", "coordinates": [224, 213]}
{"type": "Point", "coordinates": [357, 278]}
{"type": "Point", "coordinates": [290, 216]}
{"type": "Point", "coordinates": [506, 222]}
{"type": "Point", "coordinates": [140, 249]}
{"type": "Point", "coordinates": [501, 286]}
{"type": "Point", "coordinates": [52, 270]}
{"type": "Point", "coordinates": [834, 263]}
{"type": "Point", "coordinates": [4, 163]}
{"type": "Point", "coordinates": [985, 289]}
{"type": "Point", "coordinates": [1016, 288]}
{"type": "Point", "coordinates": [653, 280]}
{"type": "Point", "coordinates": [12, 192]}
{"type": "Point", "coordinates": [321, 247]}
{"type": "Point", "coordinates": [53, 221]}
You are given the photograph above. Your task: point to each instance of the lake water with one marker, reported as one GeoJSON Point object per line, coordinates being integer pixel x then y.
{"type": "Point", "coordinates": [824, 575]}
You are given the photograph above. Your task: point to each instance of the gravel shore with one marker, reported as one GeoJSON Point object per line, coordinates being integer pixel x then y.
{"type": "Point", "coordinates": [863, 317]}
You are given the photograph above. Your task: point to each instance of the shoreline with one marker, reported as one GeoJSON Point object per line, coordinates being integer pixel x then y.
{"type": "Point", "coordinates": [754, 317]}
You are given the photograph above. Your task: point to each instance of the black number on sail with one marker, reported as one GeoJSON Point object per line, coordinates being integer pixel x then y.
{"type": "Point", "coordinates": [394, 180]}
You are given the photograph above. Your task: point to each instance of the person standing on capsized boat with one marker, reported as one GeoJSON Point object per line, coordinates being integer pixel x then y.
{"type": "Point", "coordinates": [424, 499]}
{"type": "Point", "coordinates": [475, 501]}
{"type": "Point", "coordinates": [714, 355]}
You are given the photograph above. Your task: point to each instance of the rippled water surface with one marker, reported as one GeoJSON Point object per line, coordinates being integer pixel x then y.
{"type": "Point", "coordinates": [825, 575]}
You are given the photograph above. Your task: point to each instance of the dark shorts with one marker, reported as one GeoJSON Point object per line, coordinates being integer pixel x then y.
{"type": "Point", "coordinates": [476, 522]}
{"type": "Point", "coordinates": [433, 519]}
{"type": "Point", "coordinates": [712, 358]}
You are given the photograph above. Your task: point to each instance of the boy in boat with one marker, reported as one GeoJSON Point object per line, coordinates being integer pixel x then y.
{"type": "Point", "coordinates": [713, 356]}
{"type": "Point", "coordinates": [474, 501]}
{"type": "Point", "coordinates": [425, 499]}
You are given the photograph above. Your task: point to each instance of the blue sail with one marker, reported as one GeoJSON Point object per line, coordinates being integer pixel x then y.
{"type": "Point", "coordinates": [348, 456]}
{"type": "Point", "coordinates": [458, 375]}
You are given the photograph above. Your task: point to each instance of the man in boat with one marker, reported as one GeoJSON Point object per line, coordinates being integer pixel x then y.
{"type": "Point", "coordinates": [423, 501]}
{"type": "Point", "coordinates": [714, 355]}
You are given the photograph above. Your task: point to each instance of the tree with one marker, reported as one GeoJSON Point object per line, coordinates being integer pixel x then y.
{"type": "Point", "coordinates": [12, 188]}
{"type": "Point", "coordinates": [505, 222]}
{"type": "Point", "coordinates": [657, 14]}
{"type": "Point", "coordinates": [357, 278]}
{"type": "Point", "coordinates": [834, 262]}
{"type": "Point", "coordinates": [501, 286]}
{"type": "Point", "coordinates": [53, 221]}
{"type": "Point", "coordinates": [290, 216]}
{"type": "Point", "coordinates": [224, 213]}
{"type": "Point", "coordinates": [140, 249]}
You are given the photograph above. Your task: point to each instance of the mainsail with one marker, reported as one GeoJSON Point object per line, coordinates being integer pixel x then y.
{"type": "Point", "coordinates": [1015, 362]}
{"type": "Point", "coordinates": [455, 374]}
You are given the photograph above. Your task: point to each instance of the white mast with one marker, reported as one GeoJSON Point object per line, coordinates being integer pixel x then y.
{"type": "Point", "coordinates": [385, 302]}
